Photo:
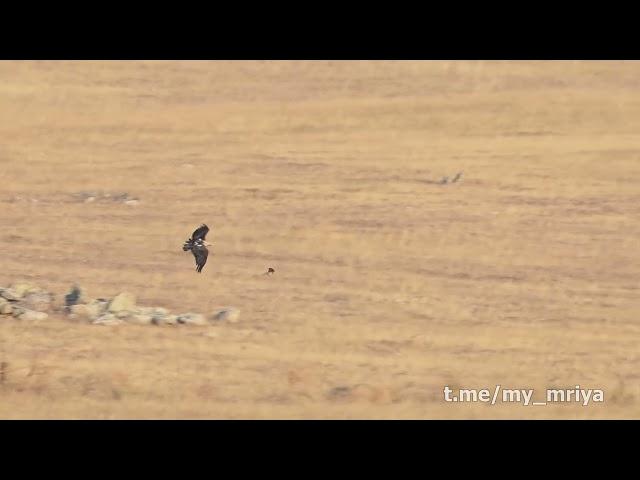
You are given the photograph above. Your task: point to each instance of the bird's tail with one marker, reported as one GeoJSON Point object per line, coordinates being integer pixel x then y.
{"type": "Point", "coordinates": [187, 245]}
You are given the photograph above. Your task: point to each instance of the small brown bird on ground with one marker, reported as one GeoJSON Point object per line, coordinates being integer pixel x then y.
{"type": "Point", "coordinates": [271, 271]}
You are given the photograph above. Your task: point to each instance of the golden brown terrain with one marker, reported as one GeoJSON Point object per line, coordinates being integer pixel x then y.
{"type": "Point", "coordinates": [388, 286]}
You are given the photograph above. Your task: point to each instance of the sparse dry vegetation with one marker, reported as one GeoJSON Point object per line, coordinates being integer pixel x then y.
{"type": "Point", "coordinates": [387, 285]}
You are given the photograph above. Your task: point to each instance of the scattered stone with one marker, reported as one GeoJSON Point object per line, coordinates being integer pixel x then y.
{"type": "Point", "coordinates": [21, 288]}
{"type": "Point", "coordinates": [122, 302]}
{"type": "Point", "coordinates": [100, 303]}
{"type": "Point", "coordinates": [132, 202]}
{"type": "Point", "coordinates": [165, 320]}
{"type": "Point", "coordinates": [192, 319]}
{"type": "Point", "coordinates": [31, 315]}
{"type": "Point", "coordinates": [39, 301]}
{"type": "Point", "coordinates": [107, 319]}
{"type": "Point", "coordinates": [9, 294]}
{"type": "Point", "coordinates": [159, 315]}
{"type": "Point", "coordinates": [152, 311]}
{"type": "Point", "coordinates": [86, 312]}
{"type": "Point", "coordinates": [140, 319]}
{"type": "Point", "coordinates": [86, 195]}
{"type": "Point", "coordinates": [80, 310]}
{"type": "Point", "coordinates": [230, 315]}
{"type": "Point", "coordinates": [103, 197]}
{"type": "Point", "coordinates": [26, 301]}
{"type": "Point", "coordinates": [143, 310]}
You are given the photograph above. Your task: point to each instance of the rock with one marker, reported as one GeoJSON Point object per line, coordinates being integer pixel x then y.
{"type": "Point", "coordinates": [21, 288]}
{"type": "Point", "coordinates": [122, 302]}
{"type": "Point", "coordinates": [159, 315]}
{"type": "Point", "coordinates": [107, 319]}
{"type": "Point", "coordinates": [81, 310]}
{"type": "Point", "coordinates": [29, 315]}
{"type": "Point", "coordinates": [140, 319]}
{"type": "Point", "coordinates": [164, 319]}
{"type": "Point", "coordinates": [144, 310]}
{"type": "Point", "coordinates": [39, 301]}
{"type": "Point", "coordinates": [6, 308]}
{"type": "Point", "coordinates": [101, 304]}
{"type": "Point", "coordinates": [192, 319]}
{"type": "Point", "coordinates": [123, 314]}
{"type": "Point", "coordinates": [132, 202]}
{"type": "Point", "coordinates": [86, 312]}
{"type": "Point", "coordinates": [75, 296]}
{"type": "Point", "coordinates": [152, 311]}
{"type": "Point", "coordinates": [10, 294]}
{"type": "Point", "coordinates": [230, 315]}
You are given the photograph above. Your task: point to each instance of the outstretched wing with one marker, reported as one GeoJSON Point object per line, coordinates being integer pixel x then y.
{"type": "Point", "coordinates": [200, 253]}
{"type": "Point", "coordinates": [200, 233]}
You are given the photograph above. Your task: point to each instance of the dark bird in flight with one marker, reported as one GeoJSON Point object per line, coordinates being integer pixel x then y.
{"type": "Point", "coordinates": [198, 246]}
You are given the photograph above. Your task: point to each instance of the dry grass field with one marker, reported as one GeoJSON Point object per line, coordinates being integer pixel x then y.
{"type": "Point", "coordinates": [388, 285]}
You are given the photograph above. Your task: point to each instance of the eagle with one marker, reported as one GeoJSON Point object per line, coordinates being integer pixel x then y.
{"type": "Point", "coordinates": [198, 246]}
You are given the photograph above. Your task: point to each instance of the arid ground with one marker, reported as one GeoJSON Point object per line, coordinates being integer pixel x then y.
{"type": "Point", "coordinates": [389, 286]}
